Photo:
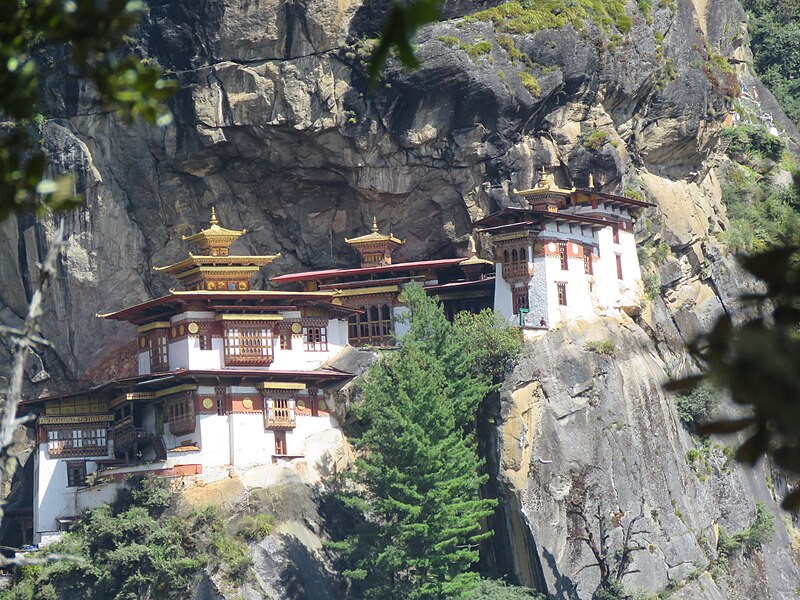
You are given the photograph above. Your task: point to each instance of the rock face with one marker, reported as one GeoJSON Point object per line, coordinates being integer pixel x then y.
{"type": "Point", "coordinates": [581, 430]}
{"type": "Point", "coordinates": [274, 126]}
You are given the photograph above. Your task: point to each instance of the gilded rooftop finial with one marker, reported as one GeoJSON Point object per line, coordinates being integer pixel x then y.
{"type": "Point", "coordinates": [213, 220]}
{"type": "Point", "coordinates": [473, 251]}
{"type": "Point", "coordinates": [591, 181]}
{"type": "Point", "coordinates": [374, 224]}
{"type": "Point", "coordinates": [542, 183]}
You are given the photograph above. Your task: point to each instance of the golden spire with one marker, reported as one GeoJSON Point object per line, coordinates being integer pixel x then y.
{"type": "Point", "coordinates": [473, 260]}
{"type": "Point", "coordinates": [591, 181]}
{"type": "Point", "coordinates": [542, 183]}
{"type": "Point", "coordinates": [213, 220]}
{"type": "Point", "coordinates": [375, 225]}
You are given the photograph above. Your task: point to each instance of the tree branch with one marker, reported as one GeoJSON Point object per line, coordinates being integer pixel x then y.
{"type": "Point", "coordinates": [25, 339]}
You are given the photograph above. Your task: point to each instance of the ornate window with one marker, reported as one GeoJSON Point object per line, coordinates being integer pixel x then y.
{"type": "Point", "coordinates": [562, 254]}
{"type": "Point", "coordinates": [615, 230]}
{"type": "Point", "coordinates": [520, 298]}
{"type": "Point", "coordinates": [316, 339]}
{"type": "Point", "coordinates": [76, 473]}
{"type": "Point", "coordinates": [285, 340]}
{"type": "Point", "coordinates": [587, 260]}
{"type": "Point", "coordinates": [562, 293]}
{"type": "Point", "coordinates": [374, 326]}
{"type": "Point", "coordinates": [77, 442]}
{"type": "Point", "coordinates": [180, 413]}
{"type": "Point", "coordinates": [159, 351]}
{"type": "Point", "coordinates": [619, 265]}
{"type": "Point", "coordinates": [248, 345]}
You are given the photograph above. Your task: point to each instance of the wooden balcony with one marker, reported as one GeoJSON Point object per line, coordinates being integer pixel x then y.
{"type": "Point", "coordinates": [247, 360]}
{"type": "Point", "coordinates": [517, 270]}
{"type": "Point", "coordinates": [66, 449]}
{"type": "Point", "coordinates": [127, 438]}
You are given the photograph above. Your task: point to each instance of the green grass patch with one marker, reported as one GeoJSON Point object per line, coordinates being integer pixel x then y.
{"type": "Point", "coordinates": [449, 40]}
{"type": "Point", "coordinates": [479, 49]}
{"type": "Point", "coordinates": [528, 16]}
{"type": "Point", "coordinates": [507, 43]}
{"type": "Point", "coordinates": [531, 84]}
{"type": "Point", "coordinates": [605, 347]}
{"type": "Point", "coordinates": [595, 139]}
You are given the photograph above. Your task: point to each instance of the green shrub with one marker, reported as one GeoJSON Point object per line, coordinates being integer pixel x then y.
{"type": "Point", "coordinates": [698, 405]}
{"type": "Point", "coordinates": [595, 139]}
{"type": "Point", "coordinates": [493, 589]}
{"type": "Point", "coordinates": [606, 347]}
{"type": "Point", "coordinates": [479, 49]}
{"type": "Point", "coordinates": [449, 40]}
{"type": "Point", "coordinates": [746, 138]}
{"type": "Point", "coordinates": [528, 16]}
{"type": "Point", "coordinates": [761, 530]}
{"type": "Point", "coordinates": [531, 84]}
{"type": "Point", "coordinates": [652, 285]}
{"type": "Point", "coordinates": [256, 527]}
{"type": "Point", "coordinates": [507, 43]}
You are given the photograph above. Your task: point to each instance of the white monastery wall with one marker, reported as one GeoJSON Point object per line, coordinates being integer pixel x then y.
{"type": "Point", "coordinates": [503, 299]}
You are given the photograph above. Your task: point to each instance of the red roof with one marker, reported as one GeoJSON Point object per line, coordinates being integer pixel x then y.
{"type": "Point", "coordinates": [420, 265]}
{"type": "Point", "coordinates": [259, 300]}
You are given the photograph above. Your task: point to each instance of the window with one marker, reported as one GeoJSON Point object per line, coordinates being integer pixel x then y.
{"type": "Point", "coordinates": [77, 442]}
{"type": "Point", "coordinates": [587, 260]}
{"type": "Point", "coordinates": [562, 254]}
{"type": "Point", "coordinates": [520, 298]}
{"type": "Point", "coordinates": [616, 233]}
{"type": "Point", "coordinates": [619, 265]}
{"type": "Point", "coordinates": [159, 351]}
{"type": "Point", "coordinates": [248, 345]}
{"type": "Point", "coordinates": [374, 326]}
{"type": "Point", "coordinates": [562, 293]}
{"type": "Point", "coordinates": [76, 473]}
{"type": "Point", "coordinates": [285, 340]}
{"type": "Point", "coordinates": [316, 339]}
{"type": "Point", "coordinates": [280, 443]}
{"type": "Point", "coordinates": [204, 340]}
{"type": "Point", "coordinates": [180, 413]}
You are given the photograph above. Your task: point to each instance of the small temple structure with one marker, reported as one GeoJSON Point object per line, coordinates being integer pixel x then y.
{"type": "Point", "coordinates": [230, 378]}
{"type": "Point", "coordinates": [374, 288]}
{"type": "Point", "coordinates": [568, 254]}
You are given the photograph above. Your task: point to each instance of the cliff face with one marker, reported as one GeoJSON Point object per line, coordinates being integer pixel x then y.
{"type": "Point", "coordinates": [273, 126]}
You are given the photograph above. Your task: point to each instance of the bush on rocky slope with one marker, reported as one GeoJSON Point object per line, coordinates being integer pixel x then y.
{"type": "Point", "coordinates": [132, 548]}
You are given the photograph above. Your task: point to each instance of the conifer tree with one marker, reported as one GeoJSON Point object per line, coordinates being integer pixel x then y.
{"type": "Point", "coordinates": [419, 471]}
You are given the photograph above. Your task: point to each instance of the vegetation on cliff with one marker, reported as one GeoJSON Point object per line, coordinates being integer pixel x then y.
{"type": "Point", "coordinates": [774, 27]}
{"type": "Point", "coordinates": [418, 505]}
{"type": "Point", "coordinates": [133, 548]}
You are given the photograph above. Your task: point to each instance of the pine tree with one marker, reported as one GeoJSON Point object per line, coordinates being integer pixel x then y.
{"type": "Point", "coordinates": [419, 471]}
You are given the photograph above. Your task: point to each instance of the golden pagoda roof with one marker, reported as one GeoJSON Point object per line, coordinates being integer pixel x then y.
{"type": "Point", "coordinates": [542, 186]}
{"type": "Point", "coordinates": [374, 236]}
{"type": "Point", "coordinates": [214, 233]}
{"type": "Point", "coordinates": [473, 256]}
{"type": "Point", "coordinates": [218, 261]}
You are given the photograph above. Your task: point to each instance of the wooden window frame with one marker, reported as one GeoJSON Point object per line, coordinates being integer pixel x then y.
{"type": "Point", "coordinates": [281, 448]}
{"type": "Point", "coordinates": [204, 341]}
{"type": "Point", "coordinates": [315, 338]}
{"type": "Point", "coordinates": [615, 230]}
{"type": "Point", "coordinates": [521, 298]}
{"type": "Point", "coordinates": [363, 329]}
{"type": "Point", "coordinates": [561, 287]}
{"type": "Point", "coordinates": [159, 350]}
{"type": "Point", "coordinates": [77, 441]}
{"type": "Point", "coordinates": [76, 473]}
{"type": "Point", "coordinates": [563, 256]}
{"type": "Point", "coordinates": [180, 414]}
{"type": "Point", "coordinates": [588, 267]}
{"type": "Point", "coordinates": [248, 344]}
{"type": "Point", "coordinates": [618, 258]}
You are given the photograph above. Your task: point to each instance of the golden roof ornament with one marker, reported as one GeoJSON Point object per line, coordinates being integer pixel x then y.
{"type": "Point", "coordinates": [473, 256]}
{"type": "Point", "coordinates": [591, 181]}
{"type": "Point", "coordinates": [212, 267]}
